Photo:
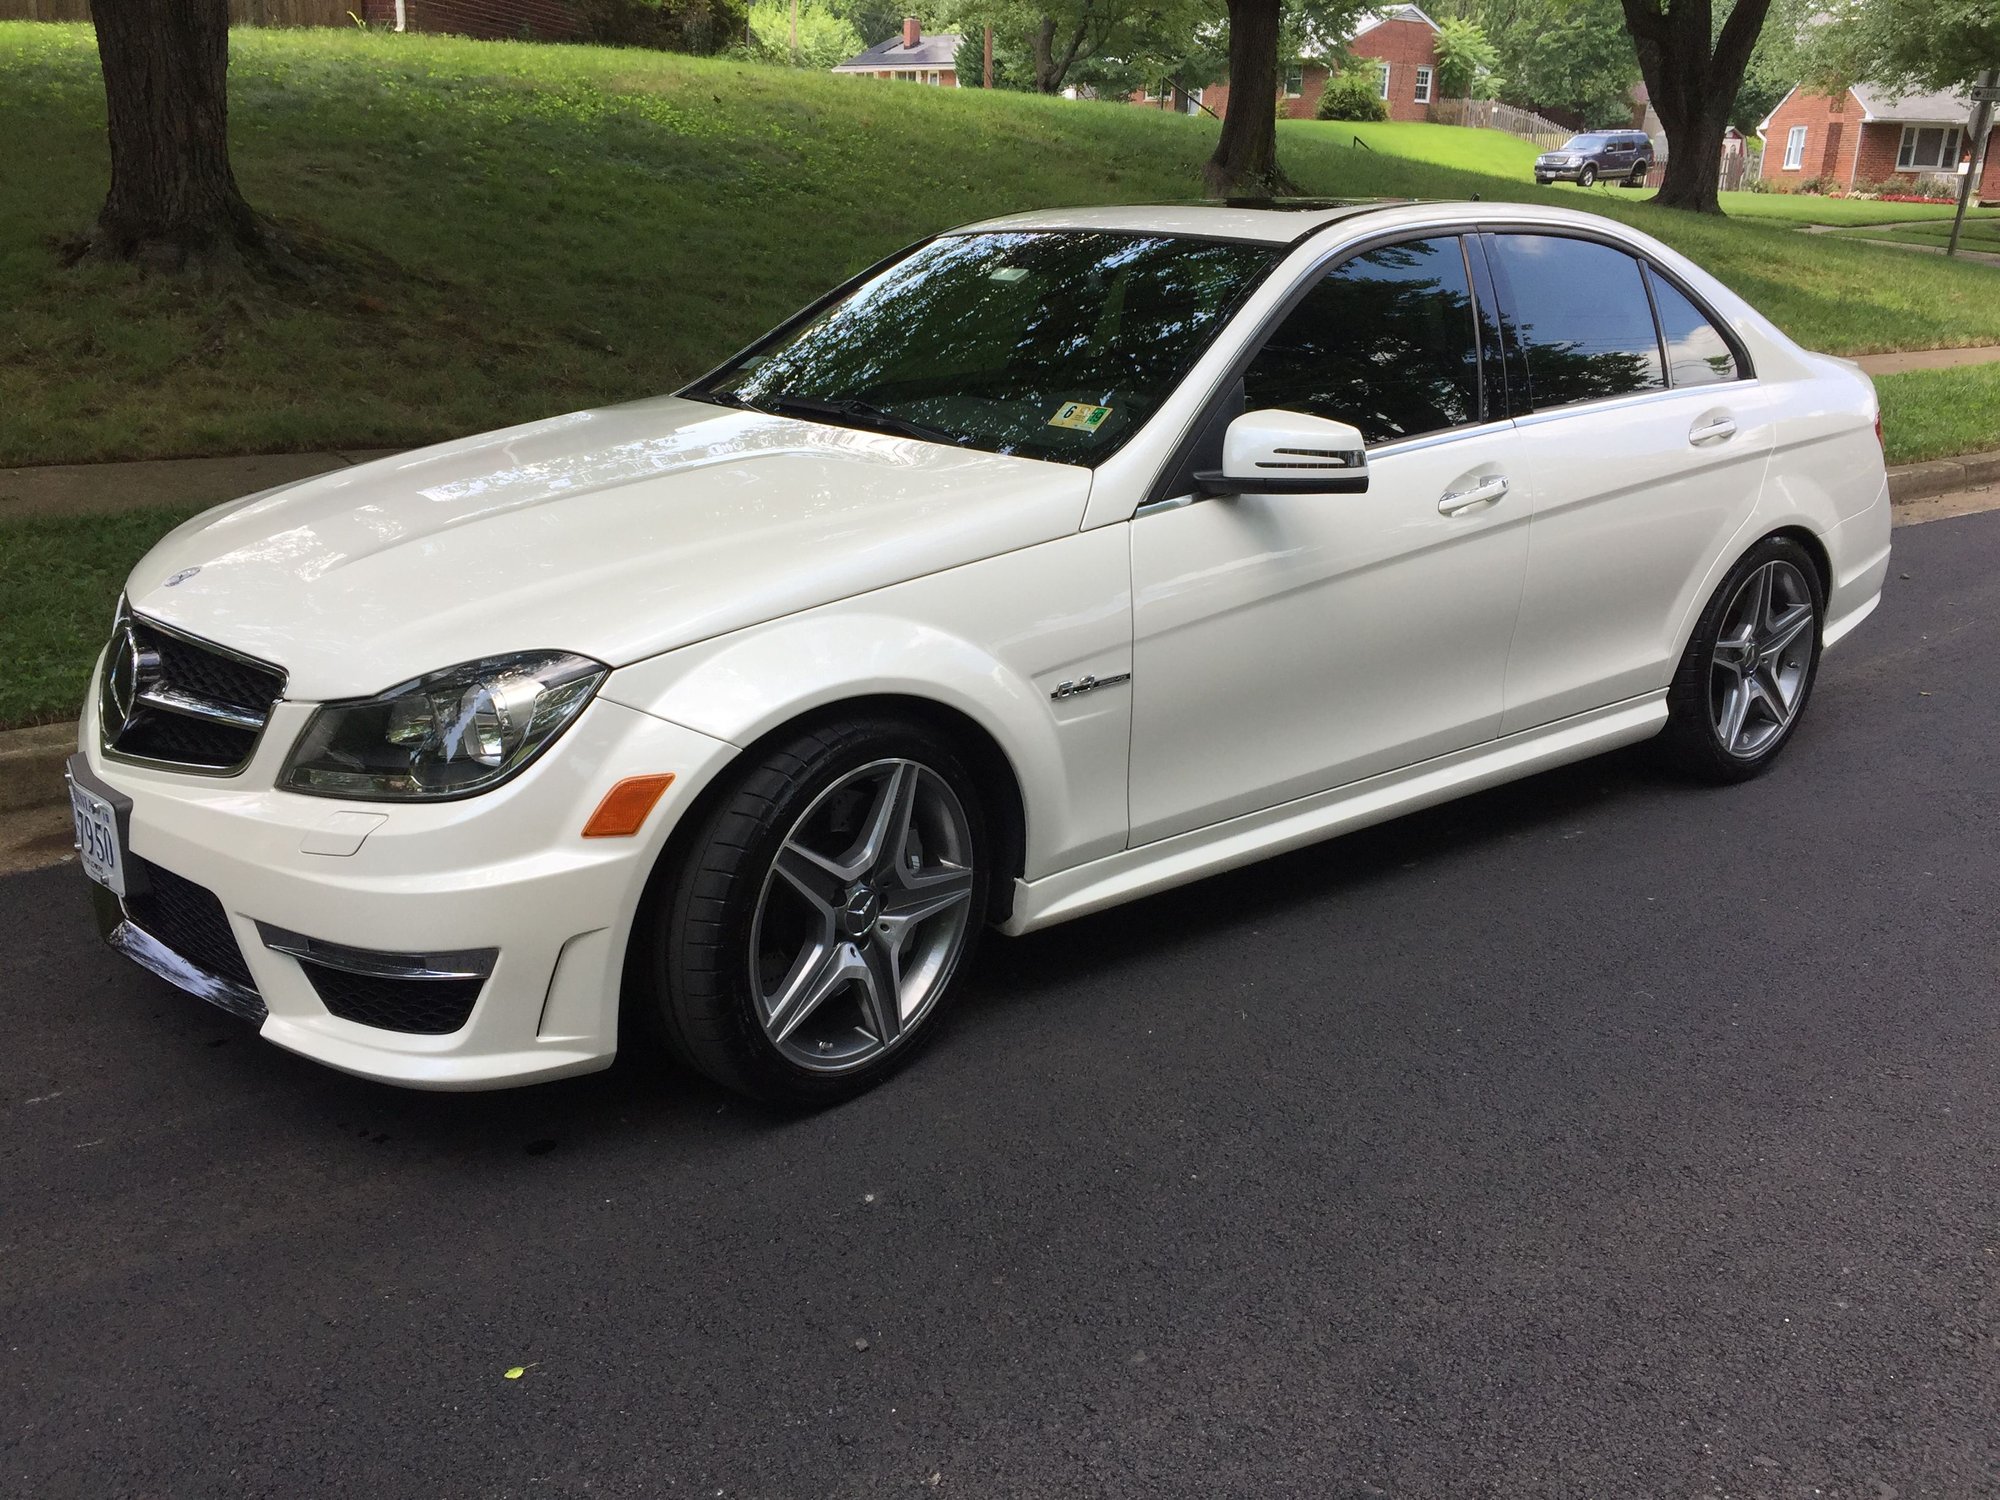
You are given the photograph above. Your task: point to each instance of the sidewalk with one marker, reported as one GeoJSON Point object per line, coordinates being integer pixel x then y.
{"type": "Point", "coordinates": [104, 489]}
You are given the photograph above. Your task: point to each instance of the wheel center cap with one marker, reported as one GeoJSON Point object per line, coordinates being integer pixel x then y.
{"type": "Point", "coordinates": [863, 909]}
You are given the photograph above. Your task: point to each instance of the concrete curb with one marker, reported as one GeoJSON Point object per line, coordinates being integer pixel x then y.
{"type": "Point", "coordinates": [31, 760]}
{"type": "Point", "coordinates": [1943, 476]}
{"type": "Point", "coordinates": [31, 766]}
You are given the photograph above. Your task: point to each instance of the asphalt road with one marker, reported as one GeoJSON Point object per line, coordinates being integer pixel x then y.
{"type": "Point", "coordinates": [1599, 1136]}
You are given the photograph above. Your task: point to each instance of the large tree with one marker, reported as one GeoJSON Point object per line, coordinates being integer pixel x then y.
{"type": "Point", "coordinates": [173, 200]}
{"type": "Point", "coordinates": [1693, 69]}
{"type": "Point", "coordinates": [1245, 162]}
{"type": "Point", "coordinates": [1916, 46]}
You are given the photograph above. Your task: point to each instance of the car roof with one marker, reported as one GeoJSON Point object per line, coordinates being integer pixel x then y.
{"type": "Point", "coordinates": [1271, 221]}
{"type": "Point", "coordinates": [1285, 222]}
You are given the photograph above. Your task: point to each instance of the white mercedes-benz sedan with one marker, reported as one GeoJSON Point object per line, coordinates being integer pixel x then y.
{"type": "Point", "coordinates": [1056, 560]}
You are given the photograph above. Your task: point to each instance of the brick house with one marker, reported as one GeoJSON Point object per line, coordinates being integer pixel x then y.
{"type": "Point", "coordinates": [1399, 39]}
{"type": "Point", "coordinates": [1866, 135]}
{"type": "Point", "coordinates": [910, 57]}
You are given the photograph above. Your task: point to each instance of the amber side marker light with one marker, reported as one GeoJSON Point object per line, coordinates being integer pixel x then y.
{"type": "Point", "coordinates": [625, 807]}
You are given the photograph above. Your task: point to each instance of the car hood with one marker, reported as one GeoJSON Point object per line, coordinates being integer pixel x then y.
{"type": "Point", "coordinates": [617, 533]}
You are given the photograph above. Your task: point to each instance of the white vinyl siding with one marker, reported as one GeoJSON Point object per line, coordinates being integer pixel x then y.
{"type": "Point", "coordinates": [1423, 85]}
{"type": "Point", "coordinates": [1795, 147]}
{"type": "Point", "coordinates": [1927, 148]}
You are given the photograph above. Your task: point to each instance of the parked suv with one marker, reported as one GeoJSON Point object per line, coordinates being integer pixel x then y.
{"type": "Point", "coordinates": [1582, 159]}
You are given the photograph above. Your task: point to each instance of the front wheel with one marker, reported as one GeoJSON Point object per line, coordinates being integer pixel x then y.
{"type": "Point", "coordinates": [1749, 668]}
{"type": "Point", "coordinates": [821, 912]}
{"type": "Point", "coordinates": [1587, 176]}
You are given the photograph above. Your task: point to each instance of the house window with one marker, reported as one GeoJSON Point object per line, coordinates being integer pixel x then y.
{"type": "Point", "coordinates": [931, 78]}
{"type": "Point", "coordinates": [1423, 85]}
{"type": "Point", "coordinates": [1295, 80]}
{"type": "Point", "coordinates": [1795, 147]}
{"type": "Point", "coordinates": [1384, 69]}
{"type": "Point", "coordinates": [1927, 148]}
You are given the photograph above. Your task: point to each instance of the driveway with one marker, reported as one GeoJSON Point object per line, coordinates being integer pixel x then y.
{"type": "Point", "coordinates": [1600, 1136]}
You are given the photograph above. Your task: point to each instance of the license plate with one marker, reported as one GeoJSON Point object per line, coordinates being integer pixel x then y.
{"type": "Point", "coordinates": [97, 838]}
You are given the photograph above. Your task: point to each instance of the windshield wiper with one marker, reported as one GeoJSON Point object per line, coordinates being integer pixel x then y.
{"type": "Point", "coordinates": [863, 412]}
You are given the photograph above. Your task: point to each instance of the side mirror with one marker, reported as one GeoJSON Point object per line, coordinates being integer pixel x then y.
{"type": "Point", "coordinates": [1288, 453]}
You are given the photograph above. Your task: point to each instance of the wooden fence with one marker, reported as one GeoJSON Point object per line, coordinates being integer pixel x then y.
{"type": "Point", "coordinates": [1494, 115]}
{"type": "Point", "coordinates": [241, 12]}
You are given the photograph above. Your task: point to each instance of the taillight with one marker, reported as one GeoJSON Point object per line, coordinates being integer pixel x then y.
{"type": "Point", "coordinates": [1878, 430]}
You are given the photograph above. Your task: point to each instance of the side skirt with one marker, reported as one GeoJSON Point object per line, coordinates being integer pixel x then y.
{"type": "Point", "coordinates": [1169, 862]}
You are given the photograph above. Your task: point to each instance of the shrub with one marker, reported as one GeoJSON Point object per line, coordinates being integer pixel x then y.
{"type": "Point", "coordinates": [1352, 96]}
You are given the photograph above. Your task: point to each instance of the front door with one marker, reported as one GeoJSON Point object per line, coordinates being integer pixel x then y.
{"type": "Point", "coordinates": [1288, 644]}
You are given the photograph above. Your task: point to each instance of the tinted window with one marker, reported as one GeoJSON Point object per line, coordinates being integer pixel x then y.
{"type": "Point", "coordinates": [1385, 342]}
{"type": "Point", "coordinates": [1579, 316]}
{"type": "Point", "coordinates": [1697, 353]}
{"type": "Point", "coordinates": [1049, 344]}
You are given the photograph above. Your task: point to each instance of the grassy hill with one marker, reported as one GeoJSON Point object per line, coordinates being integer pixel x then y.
{"type": "Point", "coordinates": [525, 229]}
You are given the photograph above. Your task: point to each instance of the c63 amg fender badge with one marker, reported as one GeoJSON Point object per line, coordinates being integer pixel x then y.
{"type": "Point", "coordinates": [1088, 685]}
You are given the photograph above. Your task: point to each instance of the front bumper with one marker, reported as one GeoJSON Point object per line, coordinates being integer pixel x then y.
{"type": "Point", "coordinates": [1557, 174]}
{"type": "Point", "coordinates": [506, 874]}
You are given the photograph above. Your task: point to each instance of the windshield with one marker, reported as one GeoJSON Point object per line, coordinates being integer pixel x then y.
{"type": "Point", "coordinates": [1586, 143]}
{"type": "Point", "coordinates": [1047, 344]}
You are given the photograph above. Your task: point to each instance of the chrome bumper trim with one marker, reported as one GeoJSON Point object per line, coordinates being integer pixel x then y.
{"type": "Point", "coordinates": [148, 952]}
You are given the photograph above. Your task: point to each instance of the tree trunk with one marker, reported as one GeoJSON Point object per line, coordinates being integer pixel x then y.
{"type": "Point", "coordinates": [1692, 86]}
{"type": "Point", "coordinates": [1245, 163]}
{"type": "Point", "coordinates": [1043, 46]}
{"type": "Point", "coordinates": [173, 198]}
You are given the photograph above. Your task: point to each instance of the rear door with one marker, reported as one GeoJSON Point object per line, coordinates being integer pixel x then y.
{"type": "Point", "coordinates": [1647, 454]}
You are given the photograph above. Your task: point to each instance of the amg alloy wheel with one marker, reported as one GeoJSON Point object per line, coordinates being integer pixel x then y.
{"type": "Point", "coordinates": [821, 912]}
{"type": "Point", "coordinates": [1748, 670]}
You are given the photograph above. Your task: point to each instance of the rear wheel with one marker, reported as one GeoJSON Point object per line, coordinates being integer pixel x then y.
{"type": "Point", "coordinates": [1637, 176]}
{"type": "Point", "coordinates": [1587, 176]}
{"type": "Point", "coordinates": [823, 912]}
{"type": "Point", "coordinates": [1748, 671]}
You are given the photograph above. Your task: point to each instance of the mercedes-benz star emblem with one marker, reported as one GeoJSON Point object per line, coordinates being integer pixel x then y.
{"type": "Point", "coordinates": [132, 668]}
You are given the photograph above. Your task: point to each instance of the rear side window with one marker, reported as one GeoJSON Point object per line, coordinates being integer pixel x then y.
{"type": "Point", "coordinates": [1384, 341]}
{"type": "Point", "coordinates": [1697, 353]}
{"type": "Point", "coordinates": [1579, 318]}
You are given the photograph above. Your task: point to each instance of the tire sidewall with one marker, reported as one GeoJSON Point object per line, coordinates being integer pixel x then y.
{"type": "Point", "coordinates": [737, 1053]}
{"type": "Point", "coordinates": [1691, 721]}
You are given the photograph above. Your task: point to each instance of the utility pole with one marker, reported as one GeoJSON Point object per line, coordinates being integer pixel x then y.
{"type": "Point", "coordinates": [989, 57]}
{"type": "Point", "coordinates": [1982, 120]}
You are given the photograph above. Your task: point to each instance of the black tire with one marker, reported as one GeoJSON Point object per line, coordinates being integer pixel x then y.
{"type": "Point", "coordinates": [1587, 176]}
{"type": "Point", "coordinates": [1693, 742]}
{"type": "Point", "coordinates": [693, 957]}
{"type": "Point", "coordinates": [1637, 176]}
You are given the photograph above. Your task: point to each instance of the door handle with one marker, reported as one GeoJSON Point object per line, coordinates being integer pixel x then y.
{"type": "Point", "coordinates": [1454, 501]}
{"type": "Point", "coordinates": [1713, 431]}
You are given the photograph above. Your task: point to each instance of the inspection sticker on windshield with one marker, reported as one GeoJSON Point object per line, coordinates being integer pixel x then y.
{"type": "Point", "coordinates": [1080, 415]}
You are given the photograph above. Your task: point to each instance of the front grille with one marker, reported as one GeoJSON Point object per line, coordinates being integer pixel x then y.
{"type": "Point", "coordinates": [186, 918]}
{"type": "Point", "coordinates": [173, 700]}
{"type": "Point", "coordinates": [427, 1007]}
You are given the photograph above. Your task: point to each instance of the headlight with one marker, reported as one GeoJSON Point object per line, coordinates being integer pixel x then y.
{"type": "Point", "coordinates": [450, 734]}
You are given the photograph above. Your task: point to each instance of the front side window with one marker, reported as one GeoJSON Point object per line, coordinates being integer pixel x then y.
{"type": "Point", "coordinates": [1927, 148]}
{"type": "Point", "coordinates": [1384, 341]}
{"type": "Point", "coordinates": [1697, 353]}
{"type": "Point", "coordinates": [1579, 318]}
{"type": "Point", "coordinates": [1423, 85]}
{"type": "Point", "coordinates": [1051, 344]}
{"type": "Point", "coordinates": [1795, 147]}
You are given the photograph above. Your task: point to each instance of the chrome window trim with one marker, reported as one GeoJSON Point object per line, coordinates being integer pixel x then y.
{"type": "Point", "coordinates": [1616, 403]}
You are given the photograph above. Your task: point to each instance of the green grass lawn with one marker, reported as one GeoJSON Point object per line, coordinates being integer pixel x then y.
{"type": "Point", "coordinates": [1940, 413]}
{"type": "Point", "coordinates": [527, 228]}
{"type": "Point", "coordinates": [1493, 152]}
{"type": "Point", "coordinates": [59, 581]}
{"type": "Point", "coordinates": [1811, 208]}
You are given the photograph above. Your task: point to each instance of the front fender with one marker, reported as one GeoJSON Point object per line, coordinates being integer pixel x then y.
{"type": "Point", "coordinates": [992, 642]}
